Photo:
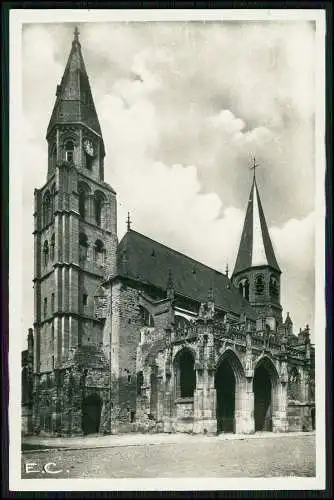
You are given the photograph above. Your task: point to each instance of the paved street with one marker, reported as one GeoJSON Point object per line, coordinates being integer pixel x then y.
{"type": "Point", "coordinates": [176, 456]}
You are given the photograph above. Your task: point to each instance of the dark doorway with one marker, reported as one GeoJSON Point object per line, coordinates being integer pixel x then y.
{"type": "Point", "coordinates": [262, 400]}
{"type": "Point", "coordinates": [225, 387]}
{"type": "Point", "coordinates": [91, 414]}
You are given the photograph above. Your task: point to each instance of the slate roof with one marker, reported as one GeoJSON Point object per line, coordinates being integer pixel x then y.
{"type": "Point", "coordinates": [74, 102]}
{"type": "Point", "coordinates": [145, 260]}
{"type": "Point", "coordinates": [255, 245]}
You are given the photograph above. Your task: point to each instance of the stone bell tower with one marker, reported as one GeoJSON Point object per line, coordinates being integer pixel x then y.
{"type": "Point", "coordinates": [256, 273]}
{"type": "Point", "coordinates": [75, 237]}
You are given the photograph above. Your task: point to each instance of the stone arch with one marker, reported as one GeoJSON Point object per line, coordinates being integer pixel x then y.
{"type": "Point", "coordinates": [185, 373]}
{"type": "Point", "coordinates": [266, 383]}
{"type": "Point", "coordinates": [230, 386]}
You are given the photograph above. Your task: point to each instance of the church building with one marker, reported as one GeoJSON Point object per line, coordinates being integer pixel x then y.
{"type": "Point", "coordinates": [132, 335]}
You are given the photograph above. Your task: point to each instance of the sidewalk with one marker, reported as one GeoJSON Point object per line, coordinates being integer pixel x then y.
{"type": "Point", "coordinates": [36, 443]}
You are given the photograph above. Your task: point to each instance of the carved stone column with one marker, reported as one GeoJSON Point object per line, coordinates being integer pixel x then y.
{"type": "Point", "coordinates": [280, 403]}
{"type": "Point", "coordinates": [244, 411]}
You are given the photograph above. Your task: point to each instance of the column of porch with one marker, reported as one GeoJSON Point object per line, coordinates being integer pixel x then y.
{"type": "Point", "coordinates": [205, 403]}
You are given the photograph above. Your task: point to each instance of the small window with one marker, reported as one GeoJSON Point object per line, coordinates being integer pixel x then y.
{"type": "Point", "coordinates": [53, 303]}
{"type": "Point", "coordinates": [259, 284]}
{"type": "Point", "coordinates": [45, 307]}
{"type": "Point", "coordinates": [85, 299]}
{"type": "Point", "coordinates": [98, 208]}
{"type": "Point", "coordinates": [46, 253]}
{"type": "Point", "coordinates": [145, 317]}
{"type": "Point", "coordinates": [69, 151]}
{"type": "Point", "coordinates": [83, 246]}
{"type": "Point", "coordinates": [52, 248]}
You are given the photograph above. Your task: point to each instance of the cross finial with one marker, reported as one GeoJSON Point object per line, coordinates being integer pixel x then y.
{"type": "Point", "coordinates": [76, 34]}
{"type": "Point", "coordinates": [128, 222]}
{"type": "Point", "coordinates": [254, 166]}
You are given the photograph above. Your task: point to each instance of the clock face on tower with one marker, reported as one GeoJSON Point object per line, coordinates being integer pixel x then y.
{"type": "Point", "coordinates": [89, 147]}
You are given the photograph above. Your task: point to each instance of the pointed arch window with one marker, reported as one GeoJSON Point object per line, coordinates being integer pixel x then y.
{"type": "Point", "coordinates": [46, 209]}
{"type": "Point", "coordinates": [99, 252]}
{"type": "Point", "coordinates": [185, 374]}
{"type": "Point", "coordinates": [146, 319]}
{"type": "Point", "coordinates": [259, 284]}
{"type": "Point", "coordinates": [83, 191]}
{"type": "Point", "coordinates": [46, 253]}
{"type": "Point", "coordinates": [99, 201]}
{"type": "Point", "coordinates": [52, 247]}
{"type": "Point", "coordinates": [69, 151]}
{"type": "Point", "coordinates": [83, 246]}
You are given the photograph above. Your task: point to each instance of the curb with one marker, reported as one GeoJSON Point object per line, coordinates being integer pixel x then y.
{"type": "Point", "coordinates": [221, 437]}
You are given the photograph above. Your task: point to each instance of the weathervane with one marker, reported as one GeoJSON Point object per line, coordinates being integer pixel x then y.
{"type": "Point", "coordinates": [128, 222]}
{"type": "Point", "coordinates": [254, 166]}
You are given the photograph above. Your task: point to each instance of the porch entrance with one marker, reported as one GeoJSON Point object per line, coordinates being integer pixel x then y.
{"type": "Point", "coordinates": [225, 389]}
{"type": "Point", "coordinates": [262, 387]}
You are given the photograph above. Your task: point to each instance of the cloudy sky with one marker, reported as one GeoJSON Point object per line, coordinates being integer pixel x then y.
{"type": "Point", "coordinates": [182, 106]}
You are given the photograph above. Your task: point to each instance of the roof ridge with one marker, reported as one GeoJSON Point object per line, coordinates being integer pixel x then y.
{"type": "Point", "coordinates": [178, 252]}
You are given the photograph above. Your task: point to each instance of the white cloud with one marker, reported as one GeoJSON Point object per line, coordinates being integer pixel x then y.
{"type": "Point", "coordinates": [181, 108]}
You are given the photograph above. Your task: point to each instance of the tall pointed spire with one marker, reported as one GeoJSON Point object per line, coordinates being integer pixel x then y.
{"type": "Point", "coordinates": [255, 246]}
{"type": "Point", "coordinates": [74, 103]}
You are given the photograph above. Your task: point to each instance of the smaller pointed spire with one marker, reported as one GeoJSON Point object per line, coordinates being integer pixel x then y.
{"type": "Point", "coordinates": [226, 268]}
{"type": "Point", "coordinates": [128, 222]}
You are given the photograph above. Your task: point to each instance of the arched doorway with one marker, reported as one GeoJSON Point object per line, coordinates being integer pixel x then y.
{"type": "Point", "coordinates": [265, 386]}
{"type": "Point", "coordinates": [225, 385]}
{"type": "Point", "coordinates": [91, 414]}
